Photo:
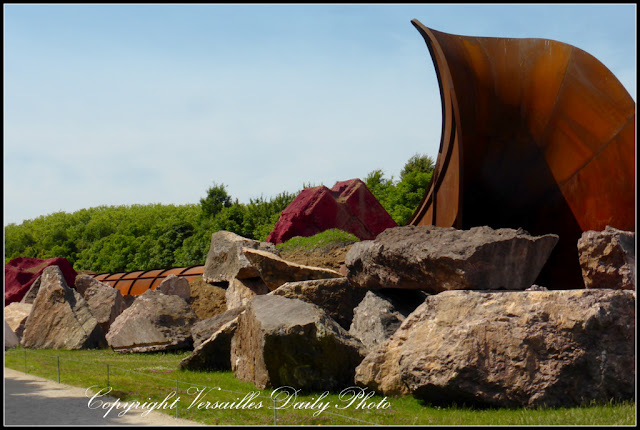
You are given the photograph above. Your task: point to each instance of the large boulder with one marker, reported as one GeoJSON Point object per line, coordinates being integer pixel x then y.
{"type": "Point", "coordinates": [241, 291]}
{"type": "Point", "coordinates": [348, 206]}
{"type": "Point", "coordinates": [511, 349]}
{"type": "Point", "coordinates": [215, 352]}
{"type": "Point", "coordinates": [176, 285]}
{"type": "Point", "coordinates": [608, 259]}
{"type": "Point", "coordinates": [105, 302]}
{"type": "Point", "coordinates": [225, 260]}
{"type": "Point", "coordinates": [16, 315]}
{"type": "Point", "coordinates": [436, 259]}
{"type": "Point", "coordinates": [335, 296]}
{"type": "Point", "coordinates": [281, 341]}
{"type": "Point", "coordinates": [380, 314]}
{"type": "Point", "coordinates": [154, 322]}
{"type": "Point", "coordinates": [275, 271]}
{"type": "Point", "coordinates": [60, 318]}
{"type": "Point", "coordinates": [21, 272]}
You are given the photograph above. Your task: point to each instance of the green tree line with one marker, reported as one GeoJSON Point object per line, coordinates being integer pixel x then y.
{"type": "Point", "coordinates": [144, 237]}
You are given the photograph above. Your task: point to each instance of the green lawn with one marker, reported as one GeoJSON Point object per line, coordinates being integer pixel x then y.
{"type": "Point", "coordinates": [227, 401]}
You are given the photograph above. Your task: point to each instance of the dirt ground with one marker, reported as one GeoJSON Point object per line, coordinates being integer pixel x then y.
{"type": "Point", "coordinates": [329, 257]}
{"type": "Point", "coordinates": [207, 300]}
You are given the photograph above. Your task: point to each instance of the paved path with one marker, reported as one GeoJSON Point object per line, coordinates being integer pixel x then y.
{"type": "Point", "coordinates": [30, 400]}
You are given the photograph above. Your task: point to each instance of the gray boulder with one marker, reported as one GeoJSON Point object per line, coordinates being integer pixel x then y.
{"type": "Point", "coordinates": [225, 260]}
{"type": "Point", "coordinates": [608, 259]}
{"type": "Point", "coordinates": [16, 314]}
{"type": "Point", "coordinates": [380, 314]}
{"type": "Point", "coordinates": [281, 341]}
{"type": "Point", "coordinates": [60, 318]}
{"type": "Point", "coordinates": [511, 349]}
{"type": "Point", "coordinates": [154, 322]}
{"type": "Point", "coordinates": [335, 296]}
{"type": "Point", "coordinates": [176, 285]}
{"type": "Point", "coordinates": [215, 352]}
{"type": "Point", "coordinates": [203, 330]}
{"type": "Point", "coordinates": [105, 302]}
{"type": "Point", "coordinates": [436, 259]}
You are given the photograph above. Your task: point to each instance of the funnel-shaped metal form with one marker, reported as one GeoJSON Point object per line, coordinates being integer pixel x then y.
{"type": "Point", "coordinates": [536, 134]}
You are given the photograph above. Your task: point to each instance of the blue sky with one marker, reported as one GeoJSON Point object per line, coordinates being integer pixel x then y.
{"type": "Point", "coordinates": [124, 104]}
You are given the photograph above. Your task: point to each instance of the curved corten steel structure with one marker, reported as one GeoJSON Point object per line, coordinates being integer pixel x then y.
{"type": "Point", "coordinates": [136, 283]}
{"type": "Point", "coordinates": [536, 134]}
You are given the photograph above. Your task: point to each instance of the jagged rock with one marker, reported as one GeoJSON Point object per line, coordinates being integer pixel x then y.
{"type": "Point", "coordinates": [281, 341]}
{"type": "Point", "coordinates": [275, 271]}
{"type": "Point", "coordinates": [380, 314]}
{"type": "Point", "coordinates": [436, 259]}
{"type": "Point", "coordinates": [608, 259]}
{"type": "Point", "coordinates": [60, 318]}
{"type": "Point", "coordinates": [32, 293]}
{"type": "Point", "coordinates": [154, 322]}
{"type": "Point", "coordinates": [348, 206]}
{"type": "Point", "coordinates": [241, 291]}
{"type": "Point", "coordinates": [225, 260]}
{"type": "Point", "coordinates": [202, 330]}
{"type": "Point", "coordinates": [16, 315]}
{"type": "Point", "coordinates": [511, 349]}
{"type": "Point", "coordinates": [105, 302]}
{"type": "Point", "coordinates": [215, 352]}
{"type": "Point", "coordinates": [10, 338]}
{"type": "Point", "coordinates": [176, 285]}
{"type": "Point", "coordinates": [21, 272]}
{"type": "Point", "coordinates": [336, 296]}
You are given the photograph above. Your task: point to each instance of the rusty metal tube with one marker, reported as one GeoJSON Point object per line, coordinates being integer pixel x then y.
{"type": "Point", "coordinates": [136, 283]}
{"type": "Point", "coordinates": [536, 134]}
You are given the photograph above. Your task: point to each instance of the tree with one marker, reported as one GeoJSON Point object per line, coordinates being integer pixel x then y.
{"type": "Point", "coordinates": [217, 198]}
{"type": "Point", "coordinates": [418, 163]}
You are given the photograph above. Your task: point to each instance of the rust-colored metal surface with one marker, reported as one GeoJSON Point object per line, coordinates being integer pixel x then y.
{"type": "Point", "coordinates": [136, 283]}
{"type": "Point", "coordinates": [536, 134]}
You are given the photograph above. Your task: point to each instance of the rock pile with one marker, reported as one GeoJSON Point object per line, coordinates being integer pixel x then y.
{"type": "Point", "coordinates": [445, 315]}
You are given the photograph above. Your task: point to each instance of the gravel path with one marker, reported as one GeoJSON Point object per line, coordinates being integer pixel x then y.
{"type": "Point", "coordinates": [30, 400]}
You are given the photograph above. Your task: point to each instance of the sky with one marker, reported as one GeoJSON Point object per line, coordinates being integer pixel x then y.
{"type": "Point", "coordinates": [118, 104]}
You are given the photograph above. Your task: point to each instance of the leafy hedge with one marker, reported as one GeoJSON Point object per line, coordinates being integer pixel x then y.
{"type": "Point", "coordinates": [143, 237]}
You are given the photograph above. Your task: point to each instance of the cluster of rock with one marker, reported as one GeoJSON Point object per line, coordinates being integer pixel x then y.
{"type": "Point", "coordinates": [445, 315]}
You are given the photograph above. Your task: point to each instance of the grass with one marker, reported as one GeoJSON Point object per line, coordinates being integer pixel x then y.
{"type": "Point", "coordinates": [152, 377]}
{"type": "Point", "coordinates": [326, 239]}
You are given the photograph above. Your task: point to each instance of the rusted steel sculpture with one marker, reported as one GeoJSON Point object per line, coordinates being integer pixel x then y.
{"type": "Point", "coordinates": [536, 134]}
{"type": "Point", "coordinates": [136, 283]}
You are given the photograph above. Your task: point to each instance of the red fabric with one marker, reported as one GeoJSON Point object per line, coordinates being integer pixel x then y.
{"type": "Point", "coordinates": [348, 206]}
{"type": "Point", "coordinates": [21, 272]}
